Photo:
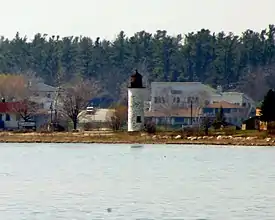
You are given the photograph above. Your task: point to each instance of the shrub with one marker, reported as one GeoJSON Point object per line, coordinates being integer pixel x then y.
{"type": "Point", "coordinates": [271, 128]}
{"type": "Point", "coordinates": [150, 127]}
{"type": "Point", "coordinates": [118, 118]}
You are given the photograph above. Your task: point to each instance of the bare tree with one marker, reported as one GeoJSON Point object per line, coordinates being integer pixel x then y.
{"type": "Point", "coordinates": [15, 88]}
{"type": "Point", "coordinates": [203, 100]}
{"type": "Point", "coordinates": [26, 109]}
{"type": "Point", "coordinates": [257, 82]}
{"type": "Point", "coordinates": [117, 118]}
{"type": "Point", "coordinates": [12, 87]}
{"type": "Point", "coordinates": [206, 124]}
{"type": "Point", "coordinates": [75, 97]}
{"type": "Point", "coordinates": [167, 105]}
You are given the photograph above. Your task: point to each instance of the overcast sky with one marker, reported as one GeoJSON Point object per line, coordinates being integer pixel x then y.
{"type": "Point", "coordinates": [105, 18]}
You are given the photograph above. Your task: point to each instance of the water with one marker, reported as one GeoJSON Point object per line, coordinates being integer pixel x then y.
{"type": "Point", "coordinates": [78, 181]}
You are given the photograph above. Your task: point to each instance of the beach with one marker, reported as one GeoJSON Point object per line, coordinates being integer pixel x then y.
{"type": "Point", "coordinates": [108, 137]}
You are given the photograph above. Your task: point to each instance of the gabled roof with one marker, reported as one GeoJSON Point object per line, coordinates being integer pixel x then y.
{"type": "Point", "coordinates": [42, 87]}
{"type": "Point", "coordinates": [9, 107]}
{"type": "Point", "coordinates": [223, 104]}
{"type": "Point", "coordinates": [197, 85]}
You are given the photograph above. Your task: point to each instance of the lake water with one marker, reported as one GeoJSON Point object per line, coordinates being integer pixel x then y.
{"type": "Point", "coordinates": [81, 181]}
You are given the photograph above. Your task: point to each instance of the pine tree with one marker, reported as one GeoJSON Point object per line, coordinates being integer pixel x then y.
{"type": "Point", "coordinates": [268, 107]}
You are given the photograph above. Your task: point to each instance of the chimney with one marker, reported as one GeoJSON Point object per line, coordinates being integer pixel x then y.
{"type": "Point", "coordinates": [219, 89]}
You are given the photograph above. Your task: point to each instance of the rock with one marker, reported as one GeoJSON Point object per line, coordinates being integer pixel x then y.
{"type": "Point", "coordinates": [251, 138]}
{"type": "Point", "coordinates": [189, 138]}
{"type": "Point", "coordinates": [194, 138]}
{"type": "Point", "coordinates": [267, 139]}
{"type": "Point", "coordinates": [154, 137]}
{"type": "Point", "coordinates": [230, 137]}
{"type": "Point", "coordinates": [178, 137]}
{"type": "Point", "coordinates": [219, 137]}
{"type": "Point", "coordinates": [205, 137]}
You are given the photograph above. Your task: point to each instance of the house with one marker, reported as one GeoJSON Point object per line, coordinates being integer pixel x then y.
{"type": "Point", "coordinates": [9, 115]}
{"type": "Point", "coordinates": [43, 94]}
{"type": "Point", "coordinates": [234, 114]}
{"type": "Point", "coordinates": [175, 117]}
{"type": "Point", "coordinates": [95, 118]}
{"type": "Point", "coordinates": [254, 122]}
{"type": "Point", "coordinates": [236, 98]}
{"type": "Point", "coordinates": [168, 95]}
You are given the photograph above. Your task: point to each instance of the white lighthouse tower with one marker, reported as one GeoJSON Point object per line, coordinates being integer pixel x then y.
{"type": "Point", "coordinates": [136, 93]}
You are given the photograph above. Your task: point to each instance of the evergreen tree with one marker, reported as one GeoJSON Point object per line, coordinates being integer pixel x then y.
{"type": "Point", "coordinates": [220, 119]}
{"type": "Point", "coordinates": [268, 107]}
{"type": "Point", "coordinates": [212, 58]}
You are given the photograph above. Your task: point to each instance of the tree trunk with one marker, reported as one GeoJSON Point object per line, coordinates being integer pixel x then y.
{"type": "Point", "coordinates": [74, 119]}
{"type": "Point", "coordinates": [206, 131]}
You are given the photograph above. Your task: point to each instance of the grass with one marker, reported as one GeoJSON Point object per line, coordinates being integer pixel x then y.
{"type": "Point", "coordinates": [238, 138]}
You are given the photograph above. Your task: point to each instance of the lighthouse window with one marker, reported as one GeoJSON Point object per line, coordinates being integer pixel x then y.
{"type": "Point", "coordinates": [138, 119]}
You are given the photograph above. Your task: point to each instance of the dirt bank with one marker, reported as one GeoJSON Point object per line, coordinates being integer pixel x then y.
{"type": "Point", "coordinates": [141, 138]}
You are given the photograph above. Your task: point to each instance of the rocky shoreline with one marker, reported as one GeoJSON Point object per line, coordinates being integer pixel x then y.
{"type": "Point", "coordinates": [124, 138]}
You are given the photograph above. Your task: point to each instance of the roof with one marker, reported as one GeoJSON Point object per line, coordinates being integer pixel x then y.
{"type": "Point", "coordinates": [223, 104]}
{"type": "Point", "coordinates": [8, 107]}
{"type": "Point", "coordinates": [42, 87]}
{"type": "Point", "coordinates": [174, 113]}
{"type": "Point", "coordinates": [100, 115]}
{"type": "Point", "coordinates": [194, 85]}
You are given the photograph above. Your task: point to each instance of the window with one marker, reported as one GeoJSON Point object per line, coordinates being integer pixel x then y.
{"type": "Point", "coordinates": [8, 118]}
{"type": "Point", "coordinates": [176, 100]}
{"type": "Point", "coordinates": [1, 117]}
{"type": "Point", "coordinates": [138, 119]}
{"type": "Point", "coordinates": [159, 99]}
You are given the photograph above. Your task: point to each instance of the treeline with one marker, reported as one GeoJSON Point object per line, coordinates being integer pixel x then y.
{"type": "Point", "coordinates": [212, 58]}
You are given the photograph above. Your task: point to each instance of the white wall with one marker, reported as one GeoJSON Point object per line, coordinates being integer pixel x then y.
{"type": "Point", "coordinates": [136, 108]}
{"type": "Point", "coordinates": [13, 123]}
{"type": "Point", "coordinates": [179, 95]}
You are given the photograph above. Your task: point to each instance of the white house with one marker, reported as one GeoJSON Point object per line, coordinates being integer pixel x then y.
{"type": "Point", "coordinates": [43, 94]}
{"type": "Point", "coordinates": [168, 96]}
{"type": "Point", "coordinates": [236, 98]}
{"type": "Point", "coordinates": [179, 95]}
{"type": "Point", "coordinates": [9, 114]}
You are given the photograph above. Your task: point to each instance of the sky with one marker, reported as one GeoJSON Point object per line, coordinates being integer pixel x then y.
{"type": "Point", "coordinates": [106, 18]}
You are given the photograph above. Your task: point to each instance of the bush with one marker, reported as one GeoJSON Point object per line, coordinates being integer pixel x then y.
{"type": "Point", "coordinates": [229, 130]}
{"type": "Point", "coordinates": [271, 128]}
{"type": "Point", "coordinates": [150, 127]}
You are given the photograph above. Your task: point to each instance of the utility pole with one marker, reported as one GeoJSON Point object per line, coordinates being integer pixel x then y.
{"type": "Point", "coordinates": [191, 112]}
{"type": "Point", "coordinates": [51, 108]}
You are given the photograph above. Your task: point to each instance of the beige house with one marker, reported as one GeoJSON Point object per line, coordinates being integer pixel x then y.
{"type": "Point", "coordinates": [95, 118]}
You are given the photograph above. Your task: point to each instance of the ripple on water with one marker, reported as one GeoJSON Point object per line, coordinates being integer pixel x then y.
{"type": "Point", "coordinates": [178, 182]}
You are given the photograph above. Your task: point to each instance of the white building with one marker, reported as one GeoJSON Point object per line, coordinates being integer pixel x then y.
{"type": "Point", "coordinates": [43, 94]}
{"type": "Point", "coordinates": [236, 98]}
{"type": "Point", "coordinates": [167, 96]}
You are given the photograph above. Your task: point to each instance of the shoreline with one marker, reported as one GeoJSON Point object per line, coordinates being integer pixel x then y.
{"type": "Point", "coordinates": [139, 138]}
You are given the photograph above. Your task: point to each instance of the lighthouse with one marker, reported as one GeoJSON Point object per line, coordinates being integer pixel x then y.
{"type": "Point", "coordinates": [136, 93]}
